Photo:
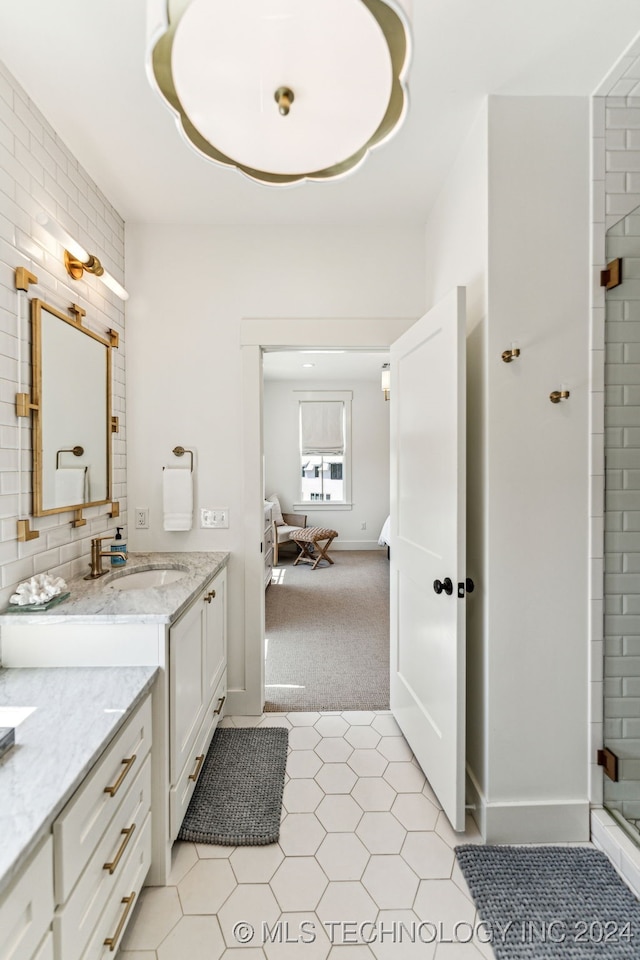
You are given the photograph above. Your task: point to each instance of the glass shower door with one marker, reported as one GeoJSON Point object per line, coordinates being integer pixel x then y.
{"type": "Point", "coordinates": [622, 525]}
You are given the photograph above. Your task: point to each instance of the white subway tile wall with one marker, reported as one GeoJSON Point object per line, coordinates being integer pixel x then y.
{"type": "Point", "coordinates": [38, 173]}
{"type": "Point", "coordinates": [616, 194]}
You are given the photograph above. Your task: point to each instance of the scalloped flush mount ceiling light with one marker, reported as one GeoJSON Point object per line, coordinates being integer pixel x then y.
{"type": "Point", "coordinates": [282, 90]}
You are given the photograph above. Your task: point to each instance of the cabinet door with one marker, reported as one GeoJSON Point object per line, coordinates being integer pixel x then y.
{"type": "Point", "coordinates": [215, 634]}
{"type": "Point", "coordinates": [187, 688]}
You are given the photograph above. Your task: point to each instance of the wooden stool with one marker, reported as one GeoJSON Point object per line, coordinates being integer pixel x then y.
{"type": "Point", "coordinates": [307, 537]}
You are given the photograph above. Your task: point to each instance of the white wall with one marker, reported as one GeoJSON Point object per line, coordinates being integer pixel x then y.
{"type": "Point", "coordinates": [515, 216]}
{"type": "Point", "coordinates": [190, 287]}
{"type": "Point", "coordinates": [369, 463]}
{"type": "Point", "coordinates": [37, 172]}
{"type": "Point", "coordinates": [538, 452]}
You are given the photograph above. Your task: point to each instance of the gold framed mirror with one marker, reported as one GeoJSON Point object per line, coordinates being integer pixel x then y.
{"type": "Point", "coordinates": [71, 403]}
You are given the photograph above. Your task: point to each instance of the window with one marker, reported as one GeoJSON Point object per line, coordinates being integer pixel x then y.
{"type": "Point", "coordinates": [325, 454]}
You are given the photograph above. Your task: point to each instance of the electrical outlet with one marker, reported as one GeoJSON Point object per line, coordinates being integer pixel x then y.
{"type": "Point", "coordinates": [363, 525]}
{"type": "Point", "coordinates": [142, 518]}
{"type": "Point", "coordinates": [214, 519]}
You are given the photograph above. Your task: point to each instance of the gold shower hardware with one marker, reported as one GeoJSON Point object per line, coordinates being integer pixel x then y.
{"type": "Point", "coordinates": [559, 395]}
{"type": "Point", "coordinates": [509, 355]}
{"type": "Point", "coordinates": [612, 276]}
{"type": "Point", "coordinates": [76, 451]}
{"type": "Point", "coordinates": [180, 452]}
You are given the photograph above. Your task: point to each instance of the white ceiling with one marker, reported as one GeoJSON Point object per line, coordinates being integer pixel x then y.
{"type": "Point", "coordinates": [345, 365]}
{"type": "Point", "coordinates": [84, 66]}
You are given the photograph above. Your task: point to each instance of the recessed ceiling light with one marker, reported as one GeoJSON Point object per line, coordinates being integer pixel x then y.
{"type": "Point", "coordinates": [308, 364]}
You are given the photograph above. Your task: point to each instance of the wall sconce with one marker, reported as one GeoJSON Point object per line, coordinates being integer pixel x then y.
{"type": "Point", "coordinates": [77, 260]}
{"type": "Point", "coordinates": [386, 380]}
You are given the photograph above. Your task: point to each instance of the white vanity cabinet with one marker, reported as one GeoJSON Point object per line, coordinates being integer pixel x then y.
{"type": "Point", "coordinates": [188, 703]}
{"type": "Point", "coordinates": [197, 691]}
{"type": "Point", "coordinates": [73, 898]}
{"type": "Point", "coordinates": [26, 909]}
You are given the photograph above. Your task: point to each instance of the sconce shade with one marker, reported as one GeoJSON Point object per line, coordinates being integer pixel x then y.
{"type": "Point", "coordinates": [283, 90]}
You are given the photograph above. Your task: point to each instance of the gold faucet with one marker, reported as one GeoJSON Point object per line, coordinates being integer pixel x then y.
{"type": "Point", "coordinates": [96, 558]}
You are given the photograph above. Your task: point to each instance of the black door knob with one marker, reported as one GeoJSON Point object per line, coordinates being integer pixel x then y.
{"type": "Point", "coordinates": [470, 585]}
{"type": "Point", "coordinates": [445, 586]}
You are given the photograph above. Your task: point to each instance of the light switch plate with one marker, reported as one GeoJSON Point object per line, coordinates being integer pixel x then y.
{"type": "Point", "coordinates": [214, 519]}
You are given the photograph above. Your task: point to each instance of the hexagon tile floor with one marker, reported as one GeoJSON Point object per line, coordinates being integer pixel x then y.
{"type": "Point", "coordinates": [364, 867]}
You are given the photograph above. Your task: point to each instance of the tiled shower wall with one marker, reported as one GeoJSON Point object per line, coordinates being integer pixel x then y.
{"type": "Point", "coordinates": [38, 173]}
{"type": "Point", "coordinates": [615, 628]}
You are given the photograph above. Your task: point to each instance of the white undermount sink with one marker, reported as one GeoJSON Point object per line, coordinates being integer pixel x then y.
{"type": "Point", "coordinates": [144, 579]}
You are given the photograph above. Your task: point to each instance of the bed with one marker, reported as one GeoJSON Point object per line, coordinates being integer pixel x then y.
{"type": "Point", "coordinates": [383, 539]}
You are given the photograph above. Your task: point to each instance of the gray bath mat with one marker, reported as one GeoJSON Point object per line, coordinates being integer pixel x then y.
{"type": "Point", "coordinates": [565, 903]}
{"type": "Point", "coordinates": [238, 797]}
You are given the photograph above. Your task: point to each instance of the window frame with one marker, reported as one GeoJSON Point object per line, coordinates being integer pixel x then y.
{"type": "Point", "coordinates": [318, 396]}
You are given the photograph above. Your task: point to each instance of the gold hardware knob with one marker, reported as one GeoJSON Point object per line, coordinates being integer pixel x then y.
{"type": "Point", "coordinates": [284, 98]}
{"type": "Point", "coordinates": [129, 762]}
{"type": "Point", "coordinates": [559, 395]}
{"type": "Point", "coordinates": [196, 773]}
{"type": "Point", "coordinates": [112, 941]}
{"type": "Point", "coordinates": [218, 709]}
{"type": "Point", "coordinates": [128, 833]}
{"type": "Point", "coordinates": [509, 355]}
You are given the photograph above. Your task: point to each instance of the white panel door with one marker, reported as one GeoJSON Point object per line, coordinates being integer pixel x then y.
{"type": "Point", "coordinates": [428, 515]}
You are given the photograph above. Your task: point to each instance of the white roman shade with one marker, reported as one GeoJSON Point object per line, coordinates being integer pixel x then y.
{"type": "Point", "coordinates": [322, 428]}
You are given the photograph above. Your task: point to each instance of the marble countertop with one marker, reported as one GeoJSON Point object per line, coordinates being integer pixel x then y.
{"type": "Point", "coordinates": [96, 601]}
{"type": "Point", "coordinates": [71, 715]}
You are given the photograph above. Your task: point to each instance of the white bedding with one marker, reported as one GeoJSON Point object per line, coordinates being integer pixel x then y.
{"type": "Point", "coordinates": [383, 539]}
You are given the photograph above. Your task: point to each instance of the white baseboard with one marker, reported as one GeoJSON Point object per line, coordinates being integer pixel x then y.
{"type": "Point", "coordinates": [539, 822]}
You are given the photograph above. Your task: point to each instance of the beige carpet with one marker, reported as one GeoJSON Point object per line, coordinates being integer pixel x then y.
{"type": "Point", "coordinates": [328, 634]}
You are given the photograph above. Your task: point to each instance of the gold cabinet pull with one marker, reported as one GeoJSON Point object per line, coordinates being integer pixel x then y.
{"type": "Point", "coordinates": [196, 773]}
{"type": "Point", "coordinates": [209, 596]}
{"type": "Point", "coordinates": [128, 833]}
{"type": "Point", "coordinates": [128, 763]}
{"type": "Point", "coordinates": [218, 709]}
{"type": "Point", "coordinates": [112, 941]}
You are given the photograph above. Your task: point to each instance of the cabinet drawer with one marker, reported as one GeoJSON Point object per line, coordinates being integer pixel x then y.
{"type": "Point", "coordinates": [78, 829]}
{"type": "Point", "coordinates": [268, 537]}
{"type": "Point", "coordinates": [119, 908]}
{"type": "Point", "coordinates": [25, 911]}
{"type": "Point", "coordinates": [73, 923]}
{"type": "Point", "coordinates": [180, 795]}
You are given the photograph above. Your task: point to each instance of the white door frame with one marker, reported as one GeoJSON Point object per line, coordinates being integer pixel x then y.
{"type": "Point", "coordinates": [256, 335]}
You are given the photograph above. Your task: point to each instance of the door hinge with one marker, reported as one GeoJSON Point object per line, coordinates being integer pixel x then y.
{"type": "Point", "coordinates": [609, 761]}
{"type": "Point", "coordinates": [612, 276]}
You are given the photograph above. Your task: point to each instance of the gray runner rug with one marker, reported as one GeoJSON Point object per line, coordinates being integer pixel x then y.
{"type": "Point", "coordinates": [565, 903]}
{"type": "Point", "coordinates": [238, 797]}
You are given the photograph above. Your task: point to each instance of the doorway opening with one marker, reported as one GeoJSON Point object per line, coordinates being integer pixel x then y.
{"type": "Point", "coordinates": [326, 474]}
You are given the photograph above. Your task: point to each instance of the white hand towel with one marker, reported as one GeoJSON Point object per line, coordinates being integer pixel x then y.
{"type": "Point", "coordinates": [177, 498]}
{"type": "Point", "coordinates": [70, 486]}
